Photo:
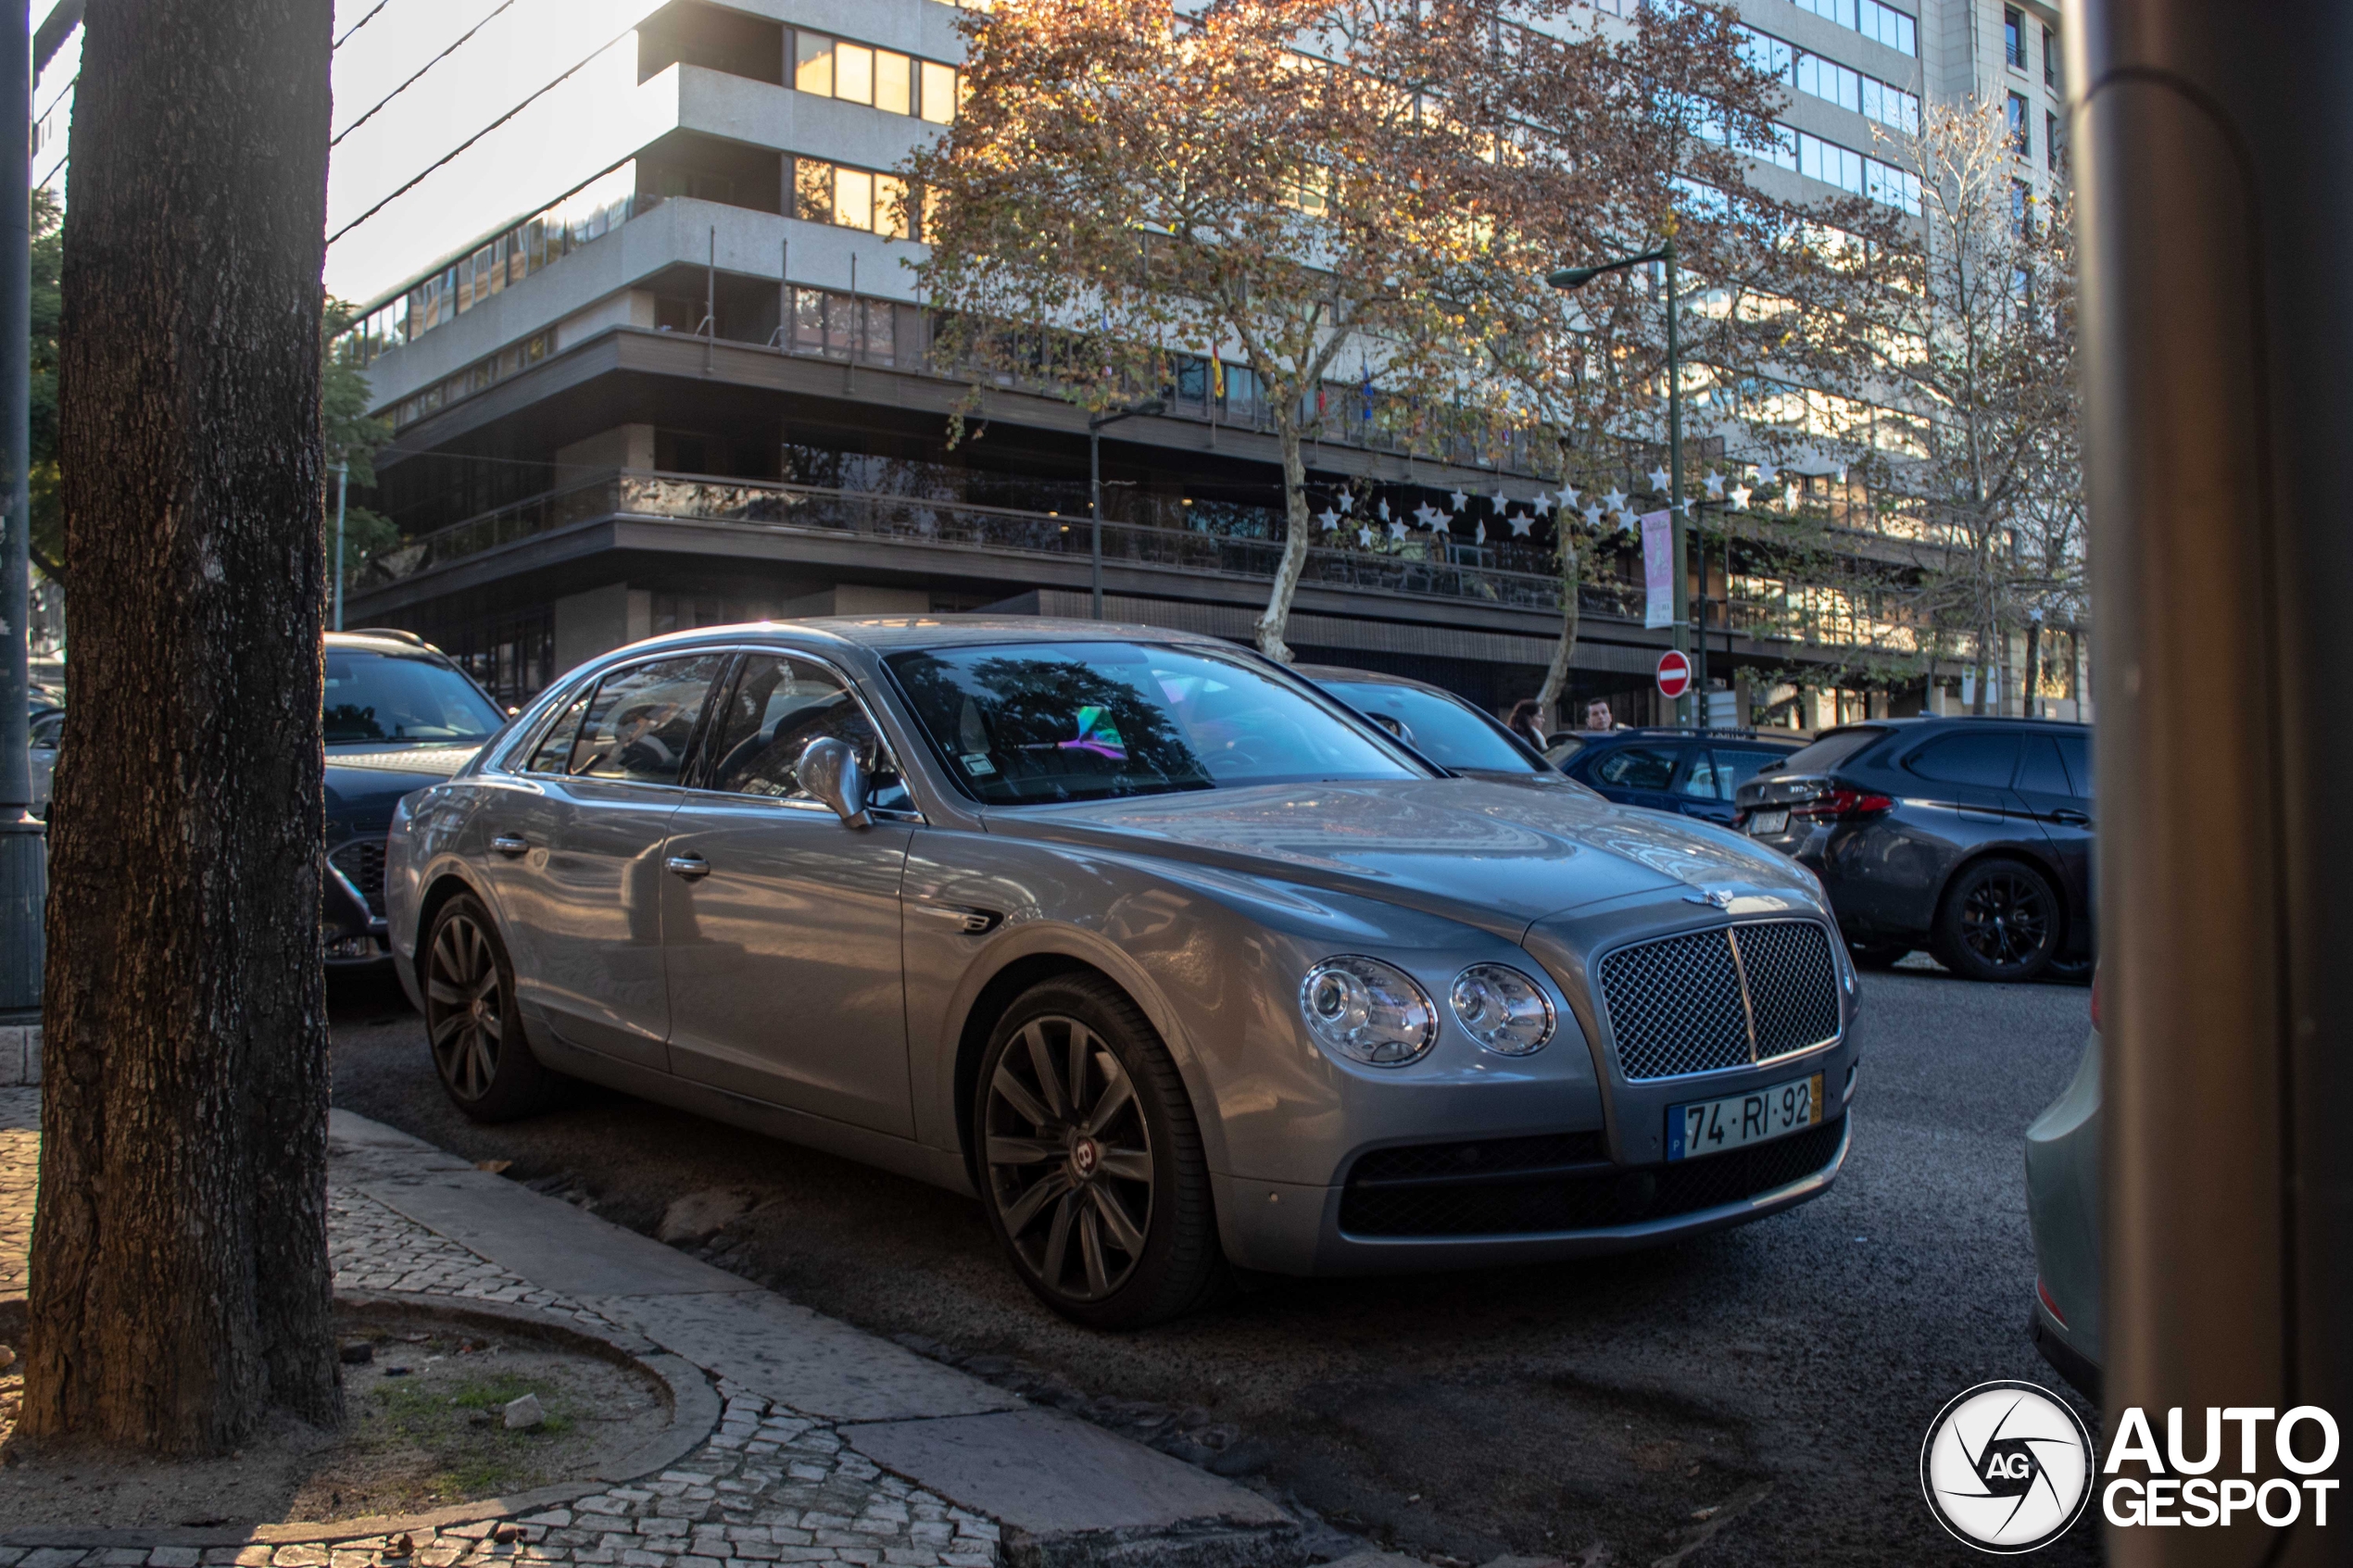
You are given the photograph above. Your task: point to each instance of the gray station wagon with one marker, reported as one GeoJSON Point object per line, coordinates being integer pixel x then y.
{"type": "Point", "coordinates": [1175, 962]}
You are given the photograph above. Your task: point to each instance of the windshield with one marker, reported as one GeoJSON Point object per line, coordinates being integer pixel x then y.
{"type": "Point", "coordinates": [1451, 734]}
{"type": "Point", "coordinates": [390, 697]}
{"type": "Point", "coordinates": [1040, 721]}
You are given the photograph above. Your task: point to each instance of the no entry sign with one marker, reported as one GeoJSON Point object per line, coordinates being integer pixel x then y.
{"type": "Point", "coordinates": [1673, 673]}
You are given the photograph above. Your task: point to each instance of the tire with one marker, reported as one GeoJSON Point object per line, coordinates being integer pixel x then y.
{"type": "Point", "coordinates": [1105, 1214]}
{"type": "Point", "coordinates": [471, 1023]}
{"type": "Point", "coordinates": [2000, 919]}
{"type": "Point", "coordinates": [2071, 970]}
{"type": "Point", "coordinates": [1878, 955]}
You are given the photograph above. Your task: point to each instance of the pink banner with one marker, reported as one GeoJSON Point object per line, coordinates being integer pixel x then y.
{"type": "Point", "coordinates": [1658, 568]}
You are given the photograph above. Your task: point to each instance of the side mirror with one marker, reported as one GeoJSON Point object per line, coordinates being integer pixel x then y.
{"type": "Point", "coordinates": [830, 771]}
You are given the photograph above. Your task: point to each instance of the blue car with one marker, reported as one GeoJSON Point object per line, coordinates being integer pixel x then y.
{"type": "Point", "coordinates": [1695, 773]}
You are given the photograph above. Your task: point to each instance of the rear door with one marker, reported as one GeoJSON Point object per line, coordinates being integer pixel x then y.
{"type": "Point", "coordinates": [1703, 789]}
{"type": "Point", "coordinates": [572, 850]}
{"type": "Point", "coordinates": [2055, 785]}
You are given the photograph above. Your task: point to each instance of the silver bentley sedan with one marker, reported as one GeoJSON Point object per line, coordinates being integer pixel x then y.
{"type": "Point", "coordinates": [1177, 963]}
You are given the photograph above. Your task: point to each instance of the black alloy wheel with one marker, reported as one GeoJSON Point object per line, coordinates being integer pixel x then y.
{"type": "Point", "coordinates": [478, 1046]}
{"type": "Point", "coordinates": [2000, 920]}
{"type": "Point", "coordinates": [1091, 1160]}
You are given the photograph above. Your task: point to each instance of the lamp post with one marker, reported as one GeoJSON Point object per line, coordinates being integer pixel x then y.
{"type": "Point", "coordinates": [343, 486]}
{"type": "Point", "coordinates": [1577, 278]}
{"type": "Point", "coordinates": [1095, 423]}
{"type": "Point", "coordinates": [23, 847]}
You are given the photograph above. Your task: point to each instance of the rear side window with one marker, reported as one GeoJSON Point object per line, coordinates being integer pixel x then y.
{"type": "Point", "coordinates": [1982, 760]}
{"type": "Point", "coordinates": [1735, 767]}
{"type": "Point", "coordinates": [638, 725]}
{"type": "Point", "coordinates": [1636, 767]}
{"type": "Point", "coordinates": [2038, 768]}
{"type": "Point", "coordinates": [1829, 751]}
{"type": "Point", "coordinates": [2076, 752]}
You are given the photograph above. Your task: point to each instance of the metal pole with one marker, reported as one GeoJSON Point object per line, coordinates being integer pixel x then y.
{"type": "Point", "coordinates": [1095, 516]}
{"type": "Point", "coordinates": [23, 847]}
{"type": "Point", "coordinates": [1693, 699]}
{"type": "Point", "coordinates": [2213, 146]}
{"type": "Point", "coordinates": [343, 486]}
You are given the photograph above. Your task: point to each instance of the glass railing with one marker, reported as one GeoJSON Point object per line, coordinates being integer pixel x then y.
{"type": "Point", "coordinates": [1416, 566]}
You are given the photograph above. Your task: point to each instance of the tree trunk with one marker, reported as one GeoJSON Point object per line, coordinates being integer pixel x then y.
{"type": "Point", "coordinates": [1277, 620]}
{"type": "Point", "coordinates": [180, 1285]}
{"type": "Point", "coordinates": [1557, 675]}
{"type": "Point", "coordinates": [2033, 709]}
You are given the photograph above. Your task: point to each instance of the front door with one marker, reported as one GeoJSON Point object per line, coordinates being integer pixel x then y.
{"type": "Point", "coordinates": [781, 924]}
{"type": "Point", "coordinates": [2054, 784]}
{"type": "Point", "coordinates": [571, 848]}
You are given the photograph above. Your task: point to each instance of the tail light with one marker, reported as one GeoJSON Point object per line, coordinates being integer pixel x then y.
{"type": "Point", "coordinates": [1841, 805]}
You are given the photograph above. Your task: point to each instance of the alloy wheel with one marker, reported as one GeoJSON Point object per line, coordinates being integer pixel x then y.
{"type": "Point", "coordinates": [464, 1006]}
{"type": "Point", "coordinates": [2005, 919]}
{"type": "Point", "coordinates": [1069, 1158]}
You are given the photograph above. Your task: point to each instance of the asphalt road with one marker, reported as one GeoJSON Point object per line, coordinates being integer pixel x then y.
{"type": "Point", "coordinates": [1756, 1397]}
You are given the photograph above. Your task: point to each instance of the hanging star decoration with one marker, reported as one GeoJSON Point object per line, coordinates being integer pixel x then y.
{"type": "Point", "coordinates": [1567, 495]}
{"type": "Point", "coordinates": [1380, 508]}
{"type": "Point", "coordinates": [1521, 523]}
{"type": "Point", "coordinates": [1479, 535]}
{"type": "Point", "coordinates": [1344, 501]}
{"type": "Point", "coordinates": [1543, 504]}
{"type": "Point", "coordinates": [1789, 498]}
{"type": "Point", "coordinates": [1500, 500]}
{"type": "Point", "coordinates": [1365, 537]}
{"type": "Point", "coordinates": [1765, 472]}
{"type": "Point", "coordinates": [1427, 515]}
{"type": "Point", "coordinates": [1741, 493]}
{"type": "Point", "coordinates": [1683, 506]}
{"type": "Point", "coordinates": [1614, 501]}
{"type": "Point", "coordinates": [1457, 497]}
{"type": "Point", "coordinates": [1715, 487]}
{"type": "Point", "coordinates": [1328, 517]}
{"type": "Point", "coordinates": [1659, 478]}
{"type": "Point", "coordinates": [1593, 517]}
{"type": "Point", "coordinates": [1397, 531]}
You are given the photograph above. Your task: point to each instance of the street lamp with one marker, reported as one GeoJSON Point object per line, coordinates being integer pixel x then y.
{"type": "Point", "coordinates": [1577, 278]}
{"type": "Point", "coordinates": [1095, 423]}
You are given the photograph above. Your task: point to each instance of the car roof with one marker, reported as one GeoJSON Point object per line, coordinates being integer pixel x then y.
{"type": "Point", "coordinates": [1321, 673]}
{"type": "Point", "coordinates": [394, 643]}
{"type": "Point", "coordinates": [889, 634]}
{"type": "Point", "coordinates": [1917, 721]}
{"type": "Point", "coordinates": [1659, 733]}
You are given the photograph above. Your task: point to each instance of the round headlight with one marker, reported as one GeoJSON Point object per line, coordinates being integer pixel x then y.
{"type": "Point", "coordinates": [1502, 1009]}
{"type": "Point", "coordinates": [1368, 1011]}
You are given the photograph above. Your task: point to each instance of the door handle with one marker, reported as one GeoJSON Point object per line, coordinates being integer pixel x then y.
{"type": "Point", "coordinates": [511, 843]}
{"type": "Point", "coordinates": [2072, 818]}
{"type": "Point", "coordinates": [688, 866]}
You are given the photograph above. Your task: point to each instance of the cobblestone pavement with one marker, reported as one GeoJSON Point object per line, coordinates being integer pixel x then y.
{"type": "Point", "coordinates": [767, 1488]}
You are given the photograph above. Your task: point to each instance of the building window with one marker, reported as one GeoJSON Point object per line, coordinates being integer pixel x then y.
{"type": "Point", "coordinates": [2021, 208]}
{"type": "Point", "coordinates": [2021, 137]}
{"type": "Point", "coordinates": [2014, 37]}
{"type": "Point", "coordinates": [2050, 139]}
{"type": "Point", "coordinates": [851, 198]}
{"type": "Point", "coordinates": [855, 73]}
{"type": "Point", "coordinates": [2050, 59]}
{"type": "Point", "coordinates": [1881, 24]}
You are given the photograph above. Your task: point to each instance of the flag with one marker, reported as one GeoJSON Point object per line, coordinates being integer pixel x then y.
{"type": "Point", "coordinates": [1368, 394]}
{"type": "Point", "coordinates": [1217, 377]}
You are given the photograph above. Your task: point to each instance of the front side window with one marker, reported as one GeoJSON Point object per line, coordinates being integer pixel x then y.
{"type": "Point", "coordinates": [390, 699]}
{"type": "Point", "coordinates": [779, 706]}
{"type": "Point", "coordinates": [1450, 733]}
{"type": "Point", "coordinates": [1027, 723]}
{"type": "Point", "coordinates": [636, 727]}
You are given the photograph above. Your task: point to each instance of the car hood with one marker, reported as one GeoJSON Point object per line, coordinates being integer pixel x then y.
{"type": "Point", "coordinates": [359, 777]}
{"type": "Point", "coordinates": [1494, 854]}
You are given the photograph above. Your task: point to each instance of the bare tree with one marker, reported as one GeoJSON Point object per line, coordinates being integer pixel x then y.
{"type": "Point", "coordinates": [180, 1286]}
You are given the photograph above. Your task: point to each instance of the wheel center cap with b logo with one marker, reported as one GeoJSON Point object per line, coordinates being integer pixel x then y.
{"type": "Point", "coordinates": [1085, 1158]}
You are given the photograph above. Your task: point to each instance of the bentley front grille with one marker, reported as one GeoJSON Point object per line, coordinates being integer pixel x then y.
{"type": "Point", "coordinates": [1714, 1000]}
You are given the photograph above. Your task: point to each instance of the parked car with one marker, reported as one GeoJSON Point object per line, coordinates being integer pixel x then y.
{"type": "Point", "coordinates": [42, 750]}
{"type": "Point", "coordinates": [2063, 1202]}
{"type": "Point", "coordinates": [1971, 838]}
{"type": "Point", "coordinates": [1458, 736]}
{"type": "Point", "coordinates": [1694, 771]}
{"type": "Point", "coordinates": [1165, 956]}
{"type": "Point", "coordinates": [399, 715]}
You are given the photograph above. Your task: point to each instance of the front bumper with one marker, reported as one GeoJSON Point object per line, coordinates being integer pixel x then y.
{"type": "Point", "coordinates": [1542, 1198]}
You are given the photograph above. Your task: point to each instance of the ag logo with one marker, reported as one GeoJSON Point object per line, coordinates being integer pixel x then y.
{"type": "Point", "coordinates": [2007, 1467]}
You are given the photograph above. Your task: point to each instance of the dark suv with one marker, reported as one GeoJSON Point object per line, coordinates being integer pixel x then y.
{"type": "Point", "coordinates": [1971, 838]}
{"type": "Point", "coordinates": [1695, 773]}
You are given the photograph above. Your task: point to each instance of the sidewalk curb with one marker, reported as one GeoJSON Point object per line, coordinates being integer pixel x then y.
{"type": "Point", "coordinates": [695, 1409]}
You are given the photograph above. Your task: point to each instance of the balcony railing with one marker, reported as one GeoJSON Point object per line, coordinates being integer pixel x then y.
{"type": "Point", "coordinates": [1416, 566]}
